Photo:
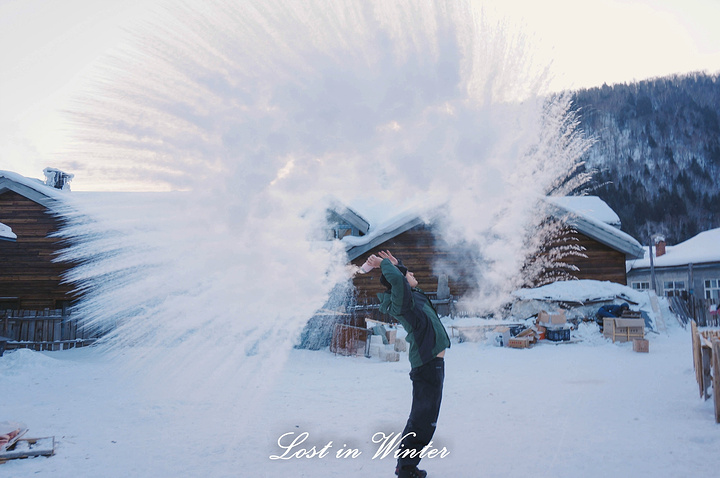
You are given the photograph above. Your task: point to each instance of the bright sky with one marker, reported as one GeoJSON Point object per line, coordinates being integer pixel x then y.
{"type": "Point", "coordinates": [47, 46]}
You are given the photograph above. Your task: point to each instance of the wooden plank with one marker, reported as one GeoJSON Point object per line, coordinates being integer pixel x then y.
{"type": "Point", "coordinates": [24, 331]}
{"type": "Point", "coordinates": [57, 334]}
{"type": "Point", "coordinates": [706, 365]}
{"type": "Point", "coordinates": [716, 377]}
{"type": "Point", "coordinates": [29, 447]}
{"type": "Point", "coordinates": [697, 355]}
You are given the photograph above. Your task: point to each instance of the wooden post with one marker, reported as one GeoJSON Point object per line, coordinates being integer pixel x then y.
{"type": "Point", "coordinates": [706, 365]}
{"type": "Point", "coordinates": [716, 377]}
{"type": "Point", "coordinates": [697, 355]}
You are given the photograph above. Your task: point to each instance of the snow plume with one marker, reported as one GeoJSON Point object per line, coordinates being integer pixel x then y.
{"type": "Point", "coordinates": [253, 112]}
{"type": "Point", "coordinates": [496, 209]}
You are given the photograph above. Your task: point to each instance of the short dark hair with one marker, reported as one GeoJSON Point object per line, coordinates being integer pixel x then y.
{"type": "Point", "coordinates": [386, 283]}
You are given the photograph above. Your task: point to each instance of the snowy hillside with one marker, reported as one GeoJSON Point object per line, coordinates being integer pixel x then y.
{"type": "Point", "coordinates": [657, 153]}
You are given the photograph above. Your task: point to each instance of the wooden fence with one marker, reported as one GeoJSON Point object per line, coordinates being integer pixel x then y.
{"type": "Point", "coordinates": [706, 360]}
{"type": "Point", "coordinates": [703, 311]}
{"type": "Point", "coordinates": [42, 330]}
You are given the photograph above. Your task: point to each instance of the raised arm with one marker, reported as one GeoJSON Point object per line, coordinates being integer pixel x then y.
{"type": "Point", "coordinates": [388, 256]}
{"type": "Point", "coordinates": [401, 293]}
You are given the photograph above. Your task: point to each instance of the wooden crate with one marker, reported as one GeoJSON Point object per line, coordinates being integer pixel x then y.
{"type": "Point", "coordinates": [623, 330]}
{"type": "Point", "coordinates": [641, 345]}
{"type": "Point", "coordinates": [519, 342]}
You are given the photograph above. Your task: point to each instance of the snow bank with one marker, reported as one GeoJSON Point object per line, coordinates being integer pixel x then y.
{"type": "Point", "coordinates": [581, 291]}
{"type": "Point", "coordinates": [580, 299]}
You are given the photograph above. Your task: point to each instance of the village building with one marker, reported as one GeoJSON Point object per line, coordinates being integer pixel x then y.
{"type": "Point", "coordinates": [689, 268]}
{"type": "Point", "coordinates": [344, 222]}
{"type": "Point", "coordinates": [587, 221]}
{"type": "Point", "coordinates": [29, 277]}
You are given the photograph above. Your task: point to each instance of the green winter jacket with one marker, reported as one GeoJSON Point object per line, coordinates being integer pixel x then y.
{"type": "Point", "coordinates": [426, 335]}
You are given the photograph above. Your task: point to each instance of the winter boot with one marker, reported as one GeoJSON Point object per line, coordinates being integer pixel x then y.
{"type": "Point", "coordinates": [410, 471]}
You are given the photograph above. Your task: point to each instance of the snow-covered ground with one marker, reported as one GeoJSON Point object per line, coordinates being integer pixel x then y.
{"type": "Point", "coordinates": [589, 408]}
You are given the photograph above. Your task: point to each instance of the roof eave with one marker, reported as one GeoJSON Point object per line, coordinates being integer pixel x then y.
{"type": "Point", "coordinates": [7, 184]}
{"type": "Point", "coordinates": [356, 251]}
{"type": "Point", "coordinates": [631, 249]}
{"type": "Point", "coordinates": [354, 219]}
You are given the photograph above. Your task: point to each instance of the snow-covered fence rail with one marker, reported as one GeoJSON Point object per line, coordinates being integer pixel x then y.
{"type": "Point", "coordinates": [43, 330]}
{"type": "Point", "coordinates": [706, 360]}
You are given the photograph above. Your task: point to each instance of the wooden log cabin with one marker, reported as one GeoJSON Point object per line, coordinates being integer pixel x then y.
{"type": "Point", "coordinates": [589, 222]}
{"type": "Point", "coordinates": [29, 279]}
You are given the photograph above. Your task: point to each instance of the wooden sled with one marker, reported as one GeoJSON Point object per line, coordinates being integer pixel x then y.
{"type": "Point", "coordinates": [29, 447]}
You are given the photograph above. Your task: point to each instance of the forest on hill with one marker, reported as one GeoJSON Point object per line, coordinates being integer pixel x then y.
{"type": "Point", "coordinates": [656, 156]}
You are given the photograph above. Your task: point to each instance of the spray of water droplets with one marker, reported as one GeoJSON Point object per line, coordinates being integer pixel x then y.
{"type": "Point", "coordinates": [254, 113]}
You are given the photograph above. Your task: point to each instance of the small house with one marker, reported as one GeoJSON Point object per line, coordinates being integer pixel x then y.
{"type": "Point", "coordinates": [590, 223]}
{"type": "Point", "coordinates": [689, 268]}
{"type": "Point", "coordinates": [29, 278]}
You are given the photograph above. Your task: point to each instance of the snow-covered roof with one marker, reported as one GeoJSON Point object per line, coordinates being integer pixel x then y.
{"type": "Point", "coordinates": [6, 233]}
{"type": "Point", "coordinates": [590, 215]}
{"type": "Point", "coordinates": [391, 228]}
{"type": "Point", "coordinates": [385, 227]}
{"type": "Point", "coordinates": [349, 215]}
{"type": "Point", "coordinates": [589, 218]}
{"type": "Point", "coordinates": [589, 206]}
{"type": "Point", "coordinates": [31, 188]}
{"type": "Point", "coordinates": [703, 248]}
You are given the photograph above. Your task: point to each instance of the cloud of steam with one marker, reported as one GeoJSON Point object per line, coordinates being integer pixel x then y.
{"type": "Point", "coordinates": [254, 112]}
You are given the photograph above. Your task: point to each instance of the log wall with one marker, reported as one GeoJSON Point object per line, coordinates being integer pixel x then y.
{"type": "Point", "coordinates": [422, 253]}
{"type": "Point", "coordinates": [26, 268]}
{"type": "Point", "coordinates": [602, 263]}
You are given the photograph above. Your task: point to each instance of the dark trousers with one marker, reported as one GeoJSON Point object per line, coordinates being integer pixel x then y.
{"type": "Point", "coordinates": [427, 382]}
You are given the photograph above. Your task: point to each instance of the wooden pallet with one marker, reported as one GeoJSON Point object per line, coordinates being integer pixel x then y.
{"type": "Point", "coordinates": [28, 448]}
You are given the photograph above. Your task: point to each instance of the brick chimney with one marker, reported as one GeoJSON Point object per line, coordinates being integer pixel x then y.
{"type": "Point", "coordinates": [659, 246]}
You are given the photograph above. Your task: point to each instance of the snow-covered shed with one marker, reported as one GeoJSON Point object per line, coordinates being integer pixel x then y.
{"type": "Point", "coordinates": [691, 267]}
{"type": "Point", "coordinates": [29, 279]}
{"type": "Point", "coordinates": [590, 222]}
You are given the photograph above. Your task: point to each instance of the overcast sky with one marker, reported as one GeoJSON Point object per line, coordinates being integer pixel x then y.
{"type": "Point", "coordinates": [47, 46]}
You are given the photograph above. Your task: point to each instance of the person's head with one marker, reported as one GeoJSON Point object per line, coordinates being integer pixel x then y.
{"type": "Point", "coordinates": [409, 276]}
{"type": "Point", "coordinates": [411, 279]}
{"type": "Point", "coordinates": [625, 306]}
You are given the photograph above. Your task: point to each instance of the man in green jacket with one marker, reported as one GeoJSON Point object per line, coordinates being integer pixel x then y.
{"type": "Point", "coordinates": [427, 340]}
